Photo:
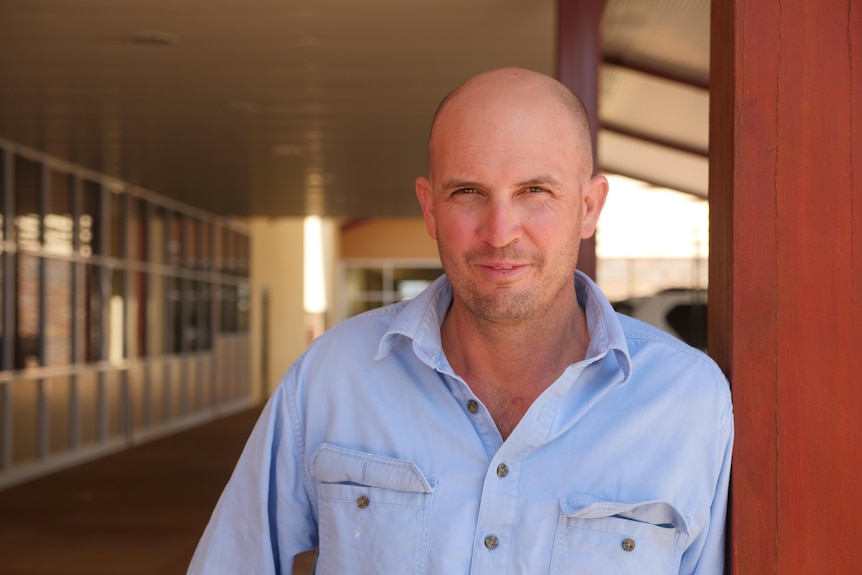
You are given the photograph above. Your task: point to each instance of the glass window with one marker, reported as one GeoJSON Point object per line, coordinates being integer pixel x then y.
{"type": "Point", "coordinates": [174, 288]}
{"type": "Point", "coordinates": [206, 245]}
{"type": "Point", "coordinates": [90, 219]}
{"type": "Point", "coordinates": [228, 251]}
{"type": "Point", "coordinates": [116, 317]}
{"type": "Point", "coordinates": [242, 254]}
{"type": "Point", "coordinates": [137, 244]}
{"type": "Point", "coordinates": [243, 305]}
{"type": "Point", "coordinates": [88, 293]}
{"type": "Point", "coordinates": [218, 247]}
{"type": "Point", "coordinates": [28, 204]}
{"type": "Point", "coordinates": [409, 281]}
{"type": "Point", "coordinates": [58, 310]}
{"type": "Point", "coordinates": [194, 327]}
{"type": "Point", "coordinates": [193, 255]}
{"type": "Point", "coordinates": [228, 301]}
{"type": "Point", "coordinates": [59, 225]}
{"type": "Point", "coordinates": [368, 285]}
{"type": "Point", "coordinates": [117, 224]}
{"type": "Point", "coordinates": [175, 239]}
{"type": "Point", "coordinates": [3, 184]}
{"type": "Point", "coordinates": [28, 315]}
{"type": "Point", "coordinates": [156, 222]}
{"type": "Point", "coordinates": [137, 339]}
{"type": "Point", "coordinates": [3, 312]}
{"type": "Point", "coordinates": [155, 314]}
{"type": "Point", "coordinates": [204, 310]}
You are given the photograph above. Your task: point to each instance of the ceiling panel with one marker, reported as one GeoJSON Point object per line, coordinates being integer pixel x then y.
{"type": "Point", "coordinates": [277, 107]}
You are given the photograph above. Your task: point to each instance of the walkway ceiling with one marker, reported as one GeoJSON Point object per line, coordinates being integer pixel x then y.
{"type": "Point", "coordinates": [291, 107]}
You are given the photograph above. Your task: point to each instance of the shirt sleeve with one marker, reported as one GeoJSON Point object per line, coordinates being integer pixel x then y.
{"type": "Point", "coordinates": [263, 518]}
{"type": "Point", "coordinates": [707, 556]}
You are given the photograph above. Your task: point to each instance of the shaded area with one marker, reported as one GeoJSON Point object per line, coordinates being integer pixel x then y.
{"type": "Point", "coordinates": [140, 511]}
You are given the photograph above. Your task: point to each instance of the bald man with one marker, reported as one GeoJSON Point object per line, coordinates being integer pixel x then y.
{"type": "Point", "coordinates": [506, 420]}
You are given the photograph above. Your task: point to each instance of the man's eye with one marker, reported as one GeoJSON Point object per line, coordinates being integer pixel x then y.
{"type": "Point", "coordinates": [465, 191]}
{"type": "Point", "coordinates": [535, 189]}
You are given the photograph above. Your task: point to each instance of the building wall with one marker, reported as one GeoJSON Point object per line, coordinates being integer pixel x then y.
{"type": "Point", "coordinates": [387, 238]}
{"type": "Point", "coordinates": [276, 270]}
{"type": "Point", "coordinates": [123, 314]}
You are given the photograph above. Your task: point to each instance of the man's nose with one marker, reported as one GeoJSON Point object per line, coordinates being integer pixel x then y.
{"type": "Point", "coordinates": [501, 224]}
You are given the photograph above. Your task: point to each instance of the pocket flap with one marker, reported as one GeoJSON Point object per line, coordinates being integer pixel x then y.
{"type": "Point", "coordinates": [653, 512]}
{"type": "Point", "coordinates": [331, 464]}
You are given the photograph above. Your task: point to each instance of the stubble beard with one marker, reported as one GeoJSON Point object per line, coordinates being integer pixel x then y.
{"type": "Point", "coordinates": [500, 303]}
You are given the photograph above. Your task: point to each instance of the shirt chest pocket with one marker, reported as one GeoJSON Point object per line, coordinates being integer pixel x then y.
{"type": "Point", "coordinates": [374, 513]}
{"type": "Point", "coordinates": [604, 538]}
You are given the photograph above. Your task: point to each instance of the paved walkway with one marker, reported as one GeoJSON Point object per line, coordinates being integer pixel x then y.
{"type": "Point", "coordinates": [139, 512]}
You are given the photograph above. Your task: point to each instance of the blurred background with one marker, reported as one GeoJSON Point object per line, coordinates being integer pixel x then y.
{"type": "Point", "coordinates": [193, 190]}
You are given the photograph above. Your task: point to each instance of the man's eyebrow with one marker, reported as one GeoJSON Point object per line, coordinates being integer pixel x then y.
{"type": "Point", "coordinates": [454, 184]}
{"type": "Point", "coordinates": [542, 180]}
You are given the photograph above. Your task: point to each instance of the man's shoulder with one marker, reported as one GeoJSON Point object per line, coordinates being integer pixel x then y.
{"type": "Point", "coordinates": [365, 328]}
{"type": "Point", "coordinates": [649, 344]}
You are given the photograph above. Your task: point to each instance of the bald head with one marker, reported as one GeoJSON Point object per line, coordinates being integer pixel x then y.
{"type": "Point", "coordinates": [514, 90]}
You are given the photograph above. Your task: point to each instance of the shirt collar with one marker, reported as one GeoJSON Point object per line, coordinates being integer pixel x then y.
{"type": "Point", "coordinates": [420, 320]}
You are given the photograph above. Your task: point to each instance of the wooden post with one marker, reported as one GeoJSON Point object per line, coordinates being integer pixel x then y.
{"type": "Point", "coordinates": [579, 55]}
{"type": "Point", "coordinates": [785, 293]}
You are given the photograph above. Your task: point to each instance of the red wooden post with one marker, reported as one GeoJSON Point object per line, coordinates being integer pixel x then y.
{"type": "Point", "coordinates": [579, 55]}
{"type": "Point", "coordinates": [786, 276]}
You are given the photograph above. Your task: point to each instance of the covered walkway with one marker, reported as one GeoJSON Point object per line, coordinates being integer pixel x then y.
{"type": "Point", "coordinates": [140, 511]}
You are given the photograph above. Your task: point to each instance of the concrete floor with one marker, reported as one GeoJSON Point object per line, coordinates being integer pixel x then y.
{"type": "Point", "coordinates": [138, 512]}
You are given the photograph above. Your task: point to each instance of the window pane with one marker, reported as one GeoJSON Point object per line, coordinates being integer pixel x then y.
{"type": "Point", "coordinates": [59, 231]}
{"type": "Point", "coordinates": [229, 251]}
{"type": "Point", "coordinates": [137, 230]}
{"type": "Point", "coordinates": [3, 193]}
{"type": "Point", "coordinates": [242, 307]}
{"type": "Point", "coordinates": [242, 248]}
{"type": "Point", "coordinates": [193, 255]}
{"type": "Point", "coordinates": [28, 203]}
{"type": "Point", "coordinates": [156, 314]}
{"type": "Point", "coordinates": [137, 316]}
{"type": "Point", "coordinates": [175, 239]}
{"type": "Point", "coordinates": [228, 300]}
{"type": "Point", "coordinates": [25, 424]}
{"type": "Point", "coordinates": [175, 312]}
{"type": "Point", "coordinates": [27, 312]}
{"type": "Point", "coordinates": [156, 235]}
{"type": "Point", "coordinates": [58, 307]}
{"type": "Point", "coordinates": [218, 247]}
{"type": "Point", "coordinates": [90, 219]}
{"type": "Point", "coordinates": [117, 224]}
{"type": "Point", "coordinates": [116, 317]}
{"type": "Point", "coordinates": [3, 313]}
{"type": "Point", "coordinates": [88, 293]}
{"type": "Point", "coordinates": [206, 245]}
{"type": "Point", "coordinates": [204, 307]}
{"type": "Point", "coordinates": [60, 416]}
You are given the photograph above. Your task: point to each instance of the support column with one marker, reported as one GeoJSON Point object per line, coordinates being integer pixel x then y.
{"type": "Point", "coordinates": [579, 54]}
{"type": "Point", "coordinates": [785, 320]}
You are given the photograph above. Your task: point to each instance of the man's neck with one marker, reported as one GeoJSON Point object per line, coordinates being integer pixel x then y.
{"type": "Point", "coordinates": [508, 365]}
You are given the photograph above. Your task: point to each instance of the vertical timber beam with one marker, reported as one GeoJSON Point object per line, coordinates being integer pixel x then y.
{"type": "Point", "coordinates": [579, 55]}
{"type": "Point", "coordinates": [785, 301]}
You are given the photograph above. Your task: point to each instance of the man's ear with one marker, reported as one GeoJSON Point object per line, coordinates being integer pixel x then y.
{"type": "Point", "coordinates": [425, 193]}
{"type": "Point", "coordinates": [595, 194]}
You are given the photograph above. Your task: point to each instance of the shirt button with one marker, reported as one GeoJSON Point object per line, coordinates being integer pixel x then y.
{"type": "Point", "coordinates": [362, 502]}
{"type": "Point", "coordinates": [628, 544]}
{"type": "Point", "coordinates": [491, 542]}
{"type": "Point", "coordinates": [502, 470]}
{"type": "Point", "coordinates": [472, 406]}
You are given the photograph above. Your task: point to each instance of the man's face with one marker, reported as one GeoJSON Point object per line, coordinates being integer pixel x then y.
{"type": "Point", "coordinates": [508, 200]}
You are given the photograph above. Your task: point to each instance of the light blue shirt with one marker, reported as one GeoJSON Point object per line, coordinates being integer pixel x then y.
{"type": "Point", "coordinates": [373, 450]}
